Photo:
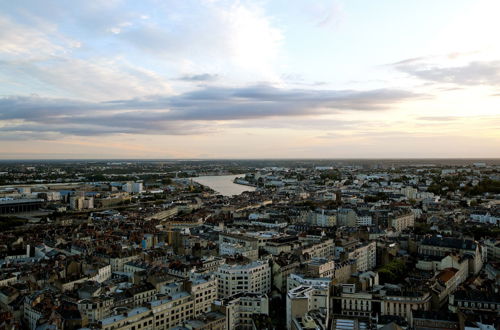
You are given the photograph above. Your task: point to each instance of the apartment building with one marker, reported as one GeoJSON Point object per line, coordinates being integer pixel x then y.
{"type": "Point", "coordinates": [454, 270]}
{"type": "Point", "coordinates": [97, 308]}
{"type": "Point", "coordinates": [254, 277]}
{"type": "Point", "coordinates": [324, 249]}
{"type": "Point", "coordinates": [137, 318]}
{"type": "Point", "coordinates": [353, 303]}
{"type": "Point", "coordinates": [204, 293]}
{"type": "Point", "coordinates": [401, 220]}
{"type": "Point", "coordinates": [492, 247]}
{"type": "Point", "coordinates": [118, 263]}
{"type": "Point", "coordinates": [304, 299]}
{"type": "Point", "coordinates": [237, 244]}
{"type": "Point", "coordinates": [442, 246]}
{"type": "Point", "coordinates": [296, 280]}
{"type": "Point", "coordinates": [365, 256]}
{"type": "Point", "coordinates": [173, 310]}
{"type": "Point", "coordinates": [239, 309]}
{"type": "Point", "coordinates": [318, 267]}
{"type": "Point", "coordinates": [403, 302]}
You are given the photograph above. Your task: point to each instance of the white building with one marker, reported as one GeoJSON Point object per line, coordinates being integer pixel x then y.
{"type": "Point", "coordinates": [324, 249]}
{"type": "Point", "coordinates": [118, 263]}
{"type": "Point", "coordinates": [485, 217]}
{"type": "Point", "coordinates": [303, 299]}
{"type": "Point", "coordinates": [254, 277]}
{"type": "Point", "coordinates": [233, 249]}
{"type": "Point", "coordinates": [409, 192]}
{"type": "Point", "coordinates": [239, 309]}
{"type": "Point", "coordinates": [133, 187]}
{"type": "Point", "coordinates": [364, 219]}
{"type": "Point", "coordinates": [357, 304]}
{"type": "Point", "coordinates": [365, 256]}
{"type": "Point", "coordinates": [80, 202]}
{"type": "Point", "coordinates": [296, 280]}
{"type": "Point", "coordinates": [493, 249]}
{"type": "Point", "coordinates": [401, 221]}
{"type": "Point", "coordinates": [203, 292]}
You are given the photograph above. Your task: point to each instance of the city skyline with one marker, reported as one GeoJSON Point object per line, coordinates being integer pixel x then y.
{"type": "Point", "coordinates": [246, 79]}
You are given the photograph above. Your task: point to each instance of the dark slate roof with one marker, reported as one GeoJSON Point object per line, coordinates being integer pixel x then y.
{"type": "Point", "coordinates": [449, 242]}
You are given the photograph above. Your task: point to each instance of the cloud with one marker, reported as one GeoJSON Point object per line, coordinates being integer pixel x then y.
{"type": "Point", "coordinates": [323, 13]}
{"type": "Point", "coordinates": [438, 118]}
{"type": "Point", "coordinates": [56, 48]}
{"type": "Point", "coordinates": [472, 73]}
{"type": "Point", "coordinates": [200, 77]}
{"type": "Point", "coordinates": [96, 80]}
{"type": "Point", "coordinates": [188, 113]}
{"type": "Point", "coordinates": [236, 38]}
{"type": "Point", "coordinates": [19, 40]}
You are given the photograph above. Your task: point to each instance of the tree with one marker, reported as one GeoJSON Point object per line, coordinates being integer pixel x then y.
{"type": "Point", "coordinates": [393, 272]}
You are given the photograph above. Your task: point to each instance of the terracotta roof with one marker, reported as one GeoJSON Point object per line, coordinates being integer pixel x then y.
{"type": "Point", "coordinates": [446, 274]}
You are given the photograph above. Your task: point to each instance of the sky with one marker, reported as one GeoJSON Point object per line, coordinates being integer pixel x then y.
{"type": "Point", "coordinates": [168, 79]}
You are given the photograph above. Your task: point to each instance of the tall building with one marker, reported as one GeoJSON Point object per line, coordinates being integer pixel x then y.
{"type": "Point", "coordinates": [304, 299]}
{"type": "Point", "coordinates": [254, 277]}
{"type": "Point", "coordinates": [365, 256]}
{"type": "Point", "coordinates": [133, 187]}
{"type": "Point", "coordinates": [239, 309]}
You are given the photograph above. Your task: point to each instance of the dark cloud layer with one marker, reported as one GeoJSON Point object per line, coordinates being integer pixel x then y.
{"type": "Point", "coordinates": [188, 113]}
{"type": "Point", "coordinates": [474, 73]}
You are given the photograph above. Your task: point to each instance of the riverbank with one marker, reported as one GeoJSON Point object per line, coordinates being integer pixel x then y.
{"type": "Point", "coordinates": [243, 182]}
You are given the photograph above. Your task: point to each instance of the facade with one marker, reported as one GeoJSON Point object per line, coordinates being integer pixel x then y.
{"type": "Point", "coordinates": [32, 311]}
{"type": "Point", "coordinates": [137, 318]}
{"type": "Point", "coordinates": [254, 277]}
{"type": "Point", "coordinates": [20, 205]}
{"type": "Point", "coordinates": [133, 187]}
{"type": "Point", "coordinates": [357, 304]}
{"type": "Point", "coordinates": [485, 217]}
{"type": "Point", "coordinates": [324, 249]}
{"type": "Point", "coordinates": [207, 321]}
{"type": "Point", "coordinates": [474, 300]}
{"type": "Point", "coordinates": [281, 269]}
{"type": "Point", "coordinates": [423, 320]}
{"type": "Point", "coordinates": [239, 309]}
{"type": "Point", "coordinates": [96, 309]}
{"type": "Point", "coordinates": [363, 218]}
{"type": "Point", "coordinates": [442, 246]}
{"type": "Point", "coordinates": [304, 299]}
{"type": "Point", "coordinates": [453, 272]}
{"type": "Point", "coordinates": [346, 217]}
{"type": "Point", "coordinates": [173, 310]}
{"type": "Point", "coordinates": [402, 220]}
{"type": "Point", "coordinates": [492, 247]}
{"type": "Point", "coordinates": [402, 303]}
{"type": "Point", "coordinates": [320, 268]}
{"type": "Point", "coordinates": [81, 202]}
{"type": "Point", "coordinates": [118, 263]}
{"type": "Point", "coordinates": [365, 256]}
{"type": "Point", "coordinates": [204, 292]}
{"type": "Point", "coordinates": [236, 244]}
{"type": "Point", "coordinates": [343, 270]}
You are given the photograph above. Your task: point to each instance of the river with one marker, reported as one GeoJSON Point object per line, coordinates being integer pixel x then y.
{"type": "Point", "coordinates": [223, 184]}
